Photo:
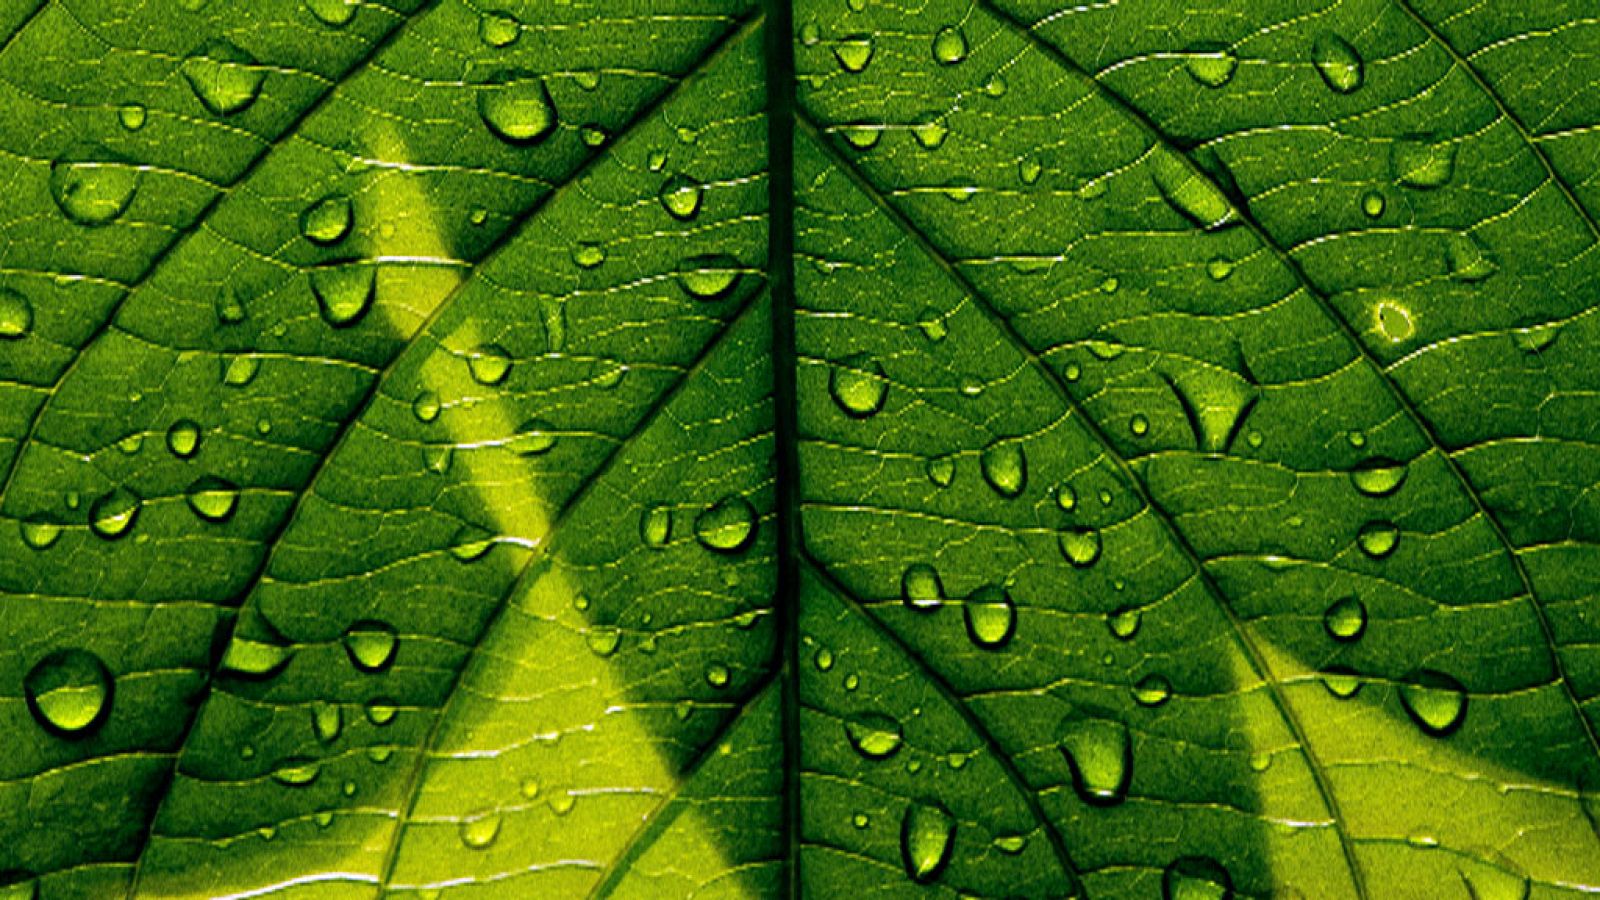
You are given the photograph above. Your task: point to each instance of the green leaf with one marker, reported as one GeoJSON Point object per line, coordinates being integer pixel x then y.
{"type": "Point", "coordinates": [713, 448]}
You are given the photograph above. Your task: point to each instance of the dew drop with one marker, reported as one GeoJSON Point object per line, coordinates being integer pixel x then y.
{"type": "Point", "coordinates": [930, 134]}
{"type": "Point", "coordinates": [1196, 878]}
{"type": "Point", "coordinates": [371, 645]}
{"type": "Point", "coordinates": [39, 533]}
{"type": "Point", "coordinates": [344, 293]}
{"type": "Point", "coordinates": [727, 526]}
{"type": "Point", "coordinates": [499, 29]}
{"type": "Point", "coordinates": [1219, 268]}
{"type": "Point", "coordinates": [858, 385]}
{"type": "Point", "coordinates": [1100, 754]}
{"type": "Point", "coordinates": [709, 277]}
{"type": "Point", "coordinates": [471, 543]}
{"type": "Point", "coordinates": [517, 108]}
{"type": "Point", "coordinates": [588, 255]}
{"type": "Point", "coordinates": [718, 676]}
{"type": "Point", "coordinates": [213, 499]}
{"type": "Point", "coordinates": [1152, 690]}
{"type": "Point", "coordinates": [681, 197]}
{"type": "Point", "coordinates": [333, 13]}
{"type": "Point", "coordinates": [1124, 623]}
{"type": "Point", "coordinates": [1337, 62]}
{"type": "Point", "coordinates": [255, 660]}
{"type": "Point", "coordinates": [16, 315]}
{"type": "Point", "coordinates": [425, 406]}
{"type": "Point", "coordinates": [991, 617]}
{"type": "Point", "coordinates": [950, 45]}
{"type": "Point", "coordinates": [921, 588]}
{"type": "Point", "coordinates": [1393, 321]}
{"type": "Point", "coordinates": [380, 711]}
{"type": "Point", "coordinates": [69, 692]}
{"type": "Point", "coordinates": [132, 116]}
{"type": "Point", "coordinates": [479, 832]}
{"type": "Point", "coordinates": [112, 515]}
{"type": "Point", "coordinates": [436, 458]}
{"type": "Point", "coordinates": [489, 364]}
{"type": "Point", "coordinates": [861, 136]}
{"type": "Point", "coordinates": [1029, 170]}
{"type": "Point", "coordinates": [1436, 701]}
{"type": "Point", "coordinates": [942, 470]}
{"type": "Point", "coordinates": [1080, 546]}
{"type": "Point", "coordinates": [1378, 539]}
{"type": "Point", "coordinates": [224, 77]}
{"type": "Point", "coordinates": [327, 221]}
{"type": "Point", "coordinates": [1373, 204]}
{"type": "Point", "coordinates": [1004, 467]}
{"type": "Point", "coordinates": [1188, 191]}
{"type": "Point", "coordinates": [238, 371]}
{"type": "Point", "coordinates": [183, 438]}
{"type": "Point", "coordinates": [1421, 164]}
{"type": "Point", "coordinates": [873, 735]}
{"type": "Point", "coordinates": [655, 526]}
{"type": "Point", "coordinates": [1378, 477]}
{"type": "Point", "coordinates": [927, 836]}
{"type": "Point", "coordinates": [296, 771]}
{"type": "Point", "coordinates": [1212, 65]}
{"type": "Point", "coordinates": [1469, 262]}
{"type": "Point", "coordinates": [91, 186]}
{"type": "Point", "coordinates": [853, 53]}
{"type": "Point", "coordinates": [1536, 339]}
{"type": "Point", "coordinates": [823, 659]}
{"type": "Point", "coordinates": [1345, 619]}
{"type": "Point", "coordinates": [535, 438]}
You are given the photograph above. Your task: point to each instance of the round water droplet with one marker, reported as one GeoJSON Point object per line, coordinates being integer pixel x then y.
{"type": "Point", "coordinates": [718, 676]}
{"type": "Point", "coordinates": [426, 406]}
{"type": "Point", "coordinates": [930, 134]}
{"type": "Point", "coordinates": [91, 186]}
{"type": "Point", "coordinates": [1422, 164]}
{"type": "Point", "coordinates": [333, 13]}
{"type": "Point", "coordinates": [603, 640]}
{"type": "Point", "coordinates": [1345, 619]}
{"type": "Point", "coordinates": [1139, 425]}
{"type": "Point", "coordinates": [927, 836]}
{"type": "Point", "coordinates": [921, 588]}
{"type": "Point", "coordinates": [727, 526]}
{"type": "Point", "coordinates": [1341, 682]}
{"type": "Point", "coordinates": [516, 106]}
{"type": "Point", "coordinates": [296, 771]}
{"type": "Point", "coordinates": [1337, 62]}
{"type": "Point", "coordinates": [950, 45]}
{"type": "Point", "coordinates": [861, 135]}
{"type": "Point", "coordinates": [1100, 754]}
{"type": "Point", "coordinates": [327, 221]}
{"type": "Point", "coordinates": [183, 438]}
{"type": "Point", "coordinates": [112, 515]}
{"type": "Point", "coordinates": [499, 29]}
{"type": "Point", "coordinates": [69, 692]}
{"type": "Point", "coordinates": [224, 77]}
{"type": "Point", "coordinates": [1080, 546]}
{"type": "Point", "coordinates": [344, 293]}
{"type": "Point", "coordinates": [681, 196]}
{"type": "Point", "coordinates": [858, 385]}
{"type": "Point", "coordinates": [489, 364]}
{"type": "Point", "coordinates": [1378, 477]}
{"type": "Point", "coordinates": [1196, 878]}
{"type": "Point", "coordinates": [381, 712]}
{"type": "Point", "coordinates": [823, 659]}
{"type": "Point", "coordinates": [873, 735]}
{"type": "Point", "coordinates": [1005, 467]}
{"type": "Point", "coordinates": [212, 498]}
{"type": "Point", "coordinates": [479, 832]}
{"type": "Point", "coordinates": [1378, 539]}
{"type": "Point", "coordinates": [1436, 701]}
{"type": "Point", "coordinates": [535, 438]}
{"type": "Point", "coordinates": [991, 617]}
{"type": "Point", "coordinates": [371, 645]}
{"type": "Point", "coordinates": [1394, 321]}
{"type": "Point", "coordinates": [1212, 65]}
{"type": "Point", "coordinates": [16, 315]}
{"type": "Point", "coordinates": [132, 116]}
{"type": "Point", "coordinates": [1124, 623]}
{"type": "Point", "coordinates": [39, 533]}
{"type": "Point", "coordinates": [655, 526]}
{"type": "Point", "coordinates": [1373, 204]}
{"type": "Point", "coordinates": [709, 277]}
{"type": "Point", "coordinates": [854, 52]}
{"type": "Point", "coordinates": [1152, 690]}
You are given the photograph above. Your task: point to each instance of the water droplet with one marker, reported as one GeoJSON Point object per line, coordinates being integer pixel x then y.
{"type": "Point", "coordinates": [709, 277]}
{"type": "Point", "coordinates": [426, 406]}
{"type": "Point", "coordinates": [1337, 62]}
{"type": "Point", "coordinates": [1345, 619]}
{"type": "Point", "coordinates": [588, 255]}
{"type": "Point", "coordinates": [16, 884]}
{"type": "Point", "coordinates": [327, 221]}
{"type": "Point", "coordinates": [255, 660]}
{"type": "Point", "coordinates": [603, 640]}
{"type": "Point", "coordinates": [823, 659]}
{"type": "Point", "coordinates": [212, 498]}
{"type": "Point", "coordinates": [1436, 701]}
{"type": "Point", "coordinates": [1029, 170]}
{"type": "Point", "coordinates": [327, 721]}
{"type": "Point", "coordinates": [436, 458]}
{"type": "Point", "coordinates": [587, 79]}
{"type": "Point", "coordinates": [1212, 65]}
{"type": "Point", "coordinates": [1152, 690]}
{"type": "Point", "coordinates": [132, 116]}
{"type": "Point", "coordinates": [681, 197]}
{"type": "Point", "coordinates": [1080, 546]}
{"type": "Point", "coordinates": [1219, 268]}
{"type": "Point", "coordinates": [534, 438]}
{"type": "Point", "coordinates": [380, 711]}
{"type": "Point", "coordinates": [1469, 261]}
{"type": "Point", "coordinates": [224, 77]}
{"type": "Point", "coordinates": [1188, 190]}
{"type": "Point", "coordinates": [479, 832]}
{"type": "Point", "coordinates": [91, 186]}
{"type": "Point", "coordinates": [1378, 477]}
{"type": "Point", "coordinates": [516, 106]}
{"type": "Point", "coordinates": [858, 385]}
{"type": "Point", "coordinates": [69, 692]}
{"type": "Point", "coordinates": [921, 587]}
{"type": "Point", "coordinates": [942, 470]}
{"type": "Point", "coordinates": [132, 443]}
{"type": "Point", "coordinates": [1100, 754]}
{"type": "Point", "coordinates": [1004, 467]}
{"type": "Point", "coordinates": [727, 526]}
{"type": "Point", "coordinates": [183, 438]}
{"type": "Point", "coordinates": [930, 134]}
{"type": "Point", "coordinates": [873, 735]}
{"type": "Point", "coordinates": [238, 371]}
{"type": "Point", "coordinates": [344, 293]}
{"type": "Point", "coordinates": [950, 45]}
{"type": "Point", "coordinates": [1139, 425]}
{"type": "Point", "coordinates": [489, 364]}
{"type": "Point", "coordinates": [718, 676]}
{"type": "Point", "coordinates": [499, 29]}
{"type": "Point", "coordinates": [927, 835]}
{"type": "Point", "coordinates": [1341, 682]}
{"type": "Point", "coordinates": [1378, 539]}
{"type": "Point", "coordinates": [39, 533]}
{"type": "Point", "coordinates": [810, 34]}
{"type": "Point", "coordinates": [655, 526]}
{"type": "Point", "coordinates": [113, 514]}
{"type": "Point", "coordinates": [1196, 878]}
{"type": "Point", "coordinates": [1373, 204]}
{"type": "Point", "coordinates": [1393, 321]}
{"type": "Point", "coordinates": [296, 771]}
{"type": "Point", "coordinates": [991, 617]}
{"type": "Point", "coordinates": [16, 315]}
{"type": "Point", "coordinates": [854, 52]}
{"type": "Point", "coordinates": [371, 645]}
{"type": "Point", "coordinates": [1422, 164]}
{"type": "Point", "coordinates": [471, 543]}
{"type": "Point", "coordinates": [333, 13]}
{"type": "Point", "coordinates": [861, 136]}
{"type": "Point", "coordinates": [1124, 623]}
{"type": "Point", "coordinates": [1537, 338]}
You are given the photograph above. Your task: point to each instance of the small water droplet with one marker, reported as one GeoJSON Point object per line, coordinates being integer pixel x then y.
{"type": "Point", "coordinates": [1005, 467]}
{"type": "Point", "coordinates": [224, 78]}
{"type": "Point", "coordinates": [927, 836]}
{"type": "Point", "coordinates": [1394, 321]}
{"type": "Point", "coordinates": [517, 108]}
{"type": "Point", "coordinates": [1099, 752]}
{"type": "Point", "coordinates": [436, 458]}
{"type": "Point", "coordinates": [112, 515]}
{"type": "Point", "coordinates": [854, 52]}
{"type": "Point", "coordinates": [1080, 546]}
{"type": "Point", "coordinates": [1373, 204]}
{"type": "Point", "coordinates": [479, 832]}
{"type": "Point", "coordinates": [1537, 338]}
{"type": "Point", "coordinates": [1029, 170]}
{"type": "Point", "coordinates": [240, 370]}
{"type": "Point", "coordinates": [498, 29]}
{"type": "Point", "coordinates": [255, 660]}
{"type": "Point", "coordinates": [344, 293]}
{"type": "Point", "coordinates": [489, 364]}
{"type": "Point", "coordinates": [1345, 619]}
{"type": "Point", "coordinates": [1124, 623]}
{"type": "Point", "coordinates": [425, 406]}
{"type": "Point", "coordinates": [327, 721]}
{"type": "Point", "coordinates": [942, 470]}
{"type": "Point", "coordinates": [333, 13]}
{"type": "Point", "coordinates": [681, 197]}
{"type": "Point", "coordinates": [1436, 701]}
{"type": "Point", "coordinates": [950, 45]}
{"type": "Point", "coordinates": [655, 526]}
{"type": "Point", "coordinates": [709, 277]}
{"type": "Point", "coordinates": [588, 255]}
{"type": "Point", "coordinates": [296, 771]}
{"type": "Point", "coordinates": [930, 134]}
{"type": "Point", "coordinates": [471, 543]}
{"type": "Point", "coordinates": [718, 676]}
{"type": "Point", "coordinates": [587, 79]}
{"type": "Point", "coordinates": [1212, 65]}
{"type": "Point", "coordinates": [603, 640]}
{"type": "Point", "coordinates": [328, 220]}
{"type": "Point", "coordinates": [371, 645]}
{"type": "Point", "coordinates": [1219, 268]}
{"type": "Point", "coordinates": [1139, 425]}
{"type": "Point", "coordinates": [873, 735]}
{"type": "Point", "coordinates": [727, 526]}
{"type": "Point", "coordinates": [183, 438]}
{"type": "Point", "coordinates": [921, 588]}
{"type": "Point", "coordinates": [1378, 539]}
{"type": "Point", "coordinates": [69, 692]}
{"type": "Point", "coordinates": [91, 186]}
{"type": "Point", "coordinates": [858, 385]}
{"type": "Point", "coordinates": [861, 136]}
{"type": "Point", "coordinates": [823, 659]}
{"type": "Point", "coordinates": [1196, 878]}
{"type": "Point", "coordinates": [213, 499]}
{"type": "Point", "coordinates": [1469, 261]}
{"type": "Point", "coordinates": [1378, 477]}
{"type": "Point", "coordinates": [380, 711]}
{"type": "Point", "coordinates": [132, 116]}
{"type": "Point", "coordinates": [1152, 690]}
{"type": "Point", "coordinates": [991, 617]}
{"type": "Point", "coordinates": [1341, 682]}
{"type": "Point", "coordinates": [16, 315]}
{"type": "Point", "coordinates": [1421, 164]}
{"type": "Point", "coordinates": [1337, 62]}
{"type": "Point", "coordinates": [39, 533]}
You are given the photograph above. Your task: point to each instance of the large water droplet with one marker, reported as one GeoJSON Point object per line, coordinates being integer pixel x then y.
{"type": "Point", "coordinates": [991, 617]}
{"type": "Point", "coordinates": [921, 588]}
{"type": "Point", "coordinates": [1152, 690]}
{"type": "Point", "coordinates": [327, 221]}
{"type": "Point", "coordinates": [224, 77]}
{"type": "Point", "coordinates": [1196, 878]}
{"type": "Point", "coordinates": [1188, 190]}
{"type": "Point", "coordinates": [69, 692]}
{"type": "Point", "coordinates": [1211, 65]}
{"type": "Point", "coordinates": [371, 645]}
{"type": "Point", "coordinates": [950, 45]}
{"type": "Point", "coordinates": [873, 735]}
{"type": "Point", "coordinates": [927, 835]}
{"type": "Point", "coordinates": [479, 832]}
{"type": "Point", "coordinates": [344, 293]}
{"type": "Point", "coordinates": [1378, 539]}
{"type": "Point", "coordinates": [1124, 623]}
{"type": "Point", "coordinates": [1341, 682]}
{"type": "Point", "coordinates": [1004, 467]}
{"type": "Point", "coordinates": [112, 515]}
{"type": "Point", "coordinates": [1099, 752]}
{"type": "Point", "coordinates": [489, 364]}
{"type": "Point", "coordinates": [213, 499]}
{"type": "Point", "coordinates": [1378, 477]}
{"type": "Point", "coordinates": [854, 52]}
{"type": "Point", "coordinates": [1422, 164]}
{"type": "Point", "coordinates": [132, 116]}
{"type": "Point", "coordinates": [603, 640]}
{"type": "Point", "coordinates": [516, 106]}
{"type": "Point", "coordinates": [681, 197]}
{"type": "Point", "coordinates": [333, 13]}
{"type": "Point", "coordinates": [1337, 62]}
{"type": "Point", "coordinates": [1436, 701]}
{"type": "Point", "coordinates": [16, 315]}
{"type": "Point", "coordinates": [39, 533]}
{"type": "Point", "coordinates": [858, 385]}
{"type": "Point", "coordinates": [91, 186]}
{"type": "Point", "coordinates": [727, 526]}
{"type": "Point", "coordinates": [1345, 619]}
{"type": "Point", "coordinates": [1079, 546]}
{"type": "Point", "coordinates": [183, 438]}
{"type": "Point", "coordinates": [709, 277]}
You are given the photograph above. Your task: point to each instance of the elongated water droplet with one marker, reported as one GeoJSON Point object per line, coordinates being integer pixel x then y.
{"type": "Point", "coordinates": [681, 197]}
{"type": "Point", "coordinates": [858, 385]}
{"type": "Point", "coordinates": [479, 832]}
{"type": "Point", "coordinates": [517, 108]}
{"type": "Point", "coordinates": [327, 721]}
{"type": "Point", "coordinates": [1422, 164]}
{"type": "Point", "coordinates": [333, 13]}
{"type": "Point", "coordinates": [1378, 477]}
{"type": "Point", "coordinates": [1152, 690]}
{"type": "Point", "coordinates": [854, 52]}
{"type": "Point", "coordinates": [950, 45]}
{"type": "Point", "coordinates": [327, 221]}
{"type": "Point", "coordinates": [927, 835]}
{"type": "Point", "coordinates": [1099, 752]}
{"type": "Point", "coordinates": [1188, 190]}
{"type": "Point", "coordinates": [238, 371]}
{"type": "Point", "coordinates": [1536, 339]}
{"type": "Point", "coordinates": [296, 771]}
{"type": "Point", "coordinates": [1196, 878]}
{"type": "Point", "coordinates": [69, 692]}
{"type": "Point", "coordinates": [921, 588]}
{"type": "Point", "coordinates": [344, 293]}
{"type": "Point", "coordinates": [499, 29]}
{"type": "Point", "coordinates": [1378, 539]}
{"type": "Point", "coordinates": [92, 186]}
{"type": "Point", "coordinates": [1080, 546]}
{"type": "Point", "coordinates": [861, 135]}
{"type": "Point", "coordinates": [727, 526]}
{"type": "Point", "coordinates": [1345, 619]}
{"type": "Point", "coordinates": [873, 735]}
{"type": "Point", "coordinates": [991, 617]}
{"type": "Point", "coordinates": [471, 543]}
{"type": "Point", "coordinates": [1436, 701]}
{"type": "Point", "coordinates": [371, 645]}
{"type": "Point", "coordinates": [1337, 62]}
{"type": "Point", "coordinates": [1005, 467]}
{"type": "Point", "coordinates": [489, 364]}
{"type": "Point", "coordinates": [1212, 65]}
{"type": "Point", "coordinates": [709, 277]}
{"type": "Point", "coordinates": [535, 438]}
{"type": "Point", "coordinates": [655, 526]}
{"type": "Point", "coordinates": [213, 499]}
{"type": "Point", "coordinates": [16, 315]}
{"type": "Point", "coordinates": [224, 77]}
{"type": "Point", "coordinates": [112, 515]}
